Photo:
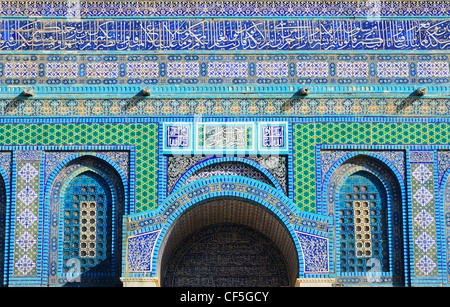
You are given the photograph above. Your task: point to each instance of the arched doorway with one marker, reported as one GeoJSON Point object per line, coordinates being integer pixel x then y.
{"type": "Point", "coordinates": [228, 242]}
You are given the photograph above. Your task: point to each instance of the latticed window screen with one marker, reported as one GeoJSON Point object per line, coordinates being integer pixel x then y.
{"type": "Point", "coordinates": [87, 224]}
{"type": "Point", "coordinates": [363, 224]}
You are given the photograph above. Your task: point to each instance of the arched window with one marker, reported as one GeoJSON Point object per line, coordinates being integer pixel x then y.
{"type": "Point", "coordinates": [362, 224]}
{"type": "Point", "coordinates": [88, 224]}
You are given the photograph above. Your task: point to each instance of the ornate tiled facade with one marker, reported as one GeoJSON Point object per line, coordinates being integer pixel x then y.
{"type": "Point", "coordinates": [227, 143]}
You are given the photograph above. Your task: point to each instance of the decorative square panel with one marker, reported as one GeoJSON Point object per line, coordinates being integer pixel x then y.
{"type": "Point", "coordinates": [422, 173]}
{"type": "Point", "coordinates": [183, 69]}
{"type": "Point", "coordinates": [272, 69]}
{"type": "Point", "coordinates": [25, 265]}
{"type": "Point", "coordinates": [425, 242]}
{"type": "Point", "coordinates": [142, 70]}
{"type": "Point", "coordinates": [177, 137]}
{"type": "Point", "coordinates": [352, 69]}
{"type": "Point", "coordinates": [27, 173]}
{"type": "Point", "coordinates": [312, 69]}
{"type": "Point", "coordinates": [392, 69]}
{"type": "Point", "coordinates": [424, 219]}
{"type": "Point", "coordinates": [273, 136]}
{"type": "Point", "coordinates": [27, 195]}
{"type": "Point", "coordinates": [426, 265]}
{"type": "Point", "coordinates": [423, 196]}
{"type": "Point", "coordinates": [64, 70]}
{"type": "Point", "coordinates": [432, 69]}
{"type": "Point", "coordinates": [26, 218]}
{"type": "Point", "coordinates": [26, 241]}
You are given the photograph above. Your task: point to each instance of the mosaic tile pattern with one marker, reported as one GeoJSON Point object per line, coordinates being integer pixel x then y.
{"type": "Point", "coordinates": [143, 136]}
{"type": "Point", "coordinates": [307, 135]}
{"type": "Point", "coordinates": [27, 214]}
{"type": "Point", "coordinates": [232, 68]}
{"type": "Point", "coordinates": [315, 251]}
{"type": "Point", "coordinates": [140, 251]}
{"type": "Point", "coordinates": [423, 212]}
{"type": "Point", "coordinates": [309, 107]}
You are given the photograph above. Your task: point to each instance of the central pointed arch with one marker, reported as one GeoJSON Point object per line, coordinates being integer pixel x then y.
{"type": "Point", "coordinates": [301, 229]}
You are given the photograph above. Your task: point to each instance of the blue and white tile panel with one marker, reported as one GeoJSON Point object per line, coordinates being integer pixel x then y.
{"type": "Point", "coordinates": [218, 138]}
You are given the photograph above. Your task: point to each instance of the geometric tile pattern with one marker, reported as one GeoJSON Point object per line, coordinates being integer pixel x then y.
{"type": "Point", "coordinates": [183, 69]}
{"type": "Point", "coordinates": [423, 217]}
{"type": "Point", "coordinates": [312, 69]}
{"type": "Point", "coordinates": [28, 173]}
{"type": "Point", "coordinates": [143, 136]}
{"type": "Point", "coordinates": [423, 196]}
{"type": "Point", "coordinates": [21, 70]}
{"type": "Point", "coordinates": [425, 241]}
{"type": "Point", "coordinates": [307, 135]}
{"type": "Point", "coordinates": [27, 195]}
{"type": "Point", "coordinates": [102, 70]}
{"type": "Point", "coordinates": [352, 69]}
{"type": "Point", "coordinates": [26, 218]}
{"type": "Point", "coordinates": [27, 212]}
{"type": "Point", "coordinates": [432, 69]}
{"type": "Point", "coordinates": [392, 69]}
{"type": "Point", "coordinates": [426, 265]}
{"type": "Point", "coordinates": [231, 69]}
{"type": "Point", "coordinates": [422, 173]}
{"type": "Point", "coordinates": [227, 69]}
{"type": "Point", "coordinates": [65, 70]}
{"type": "Point", "coordinates": [272, 69]}
{"type": "Point", "coordinates": [26, 241]}
{"type": "Point", "coordinates": [142, 70]}
{"type": "Point", "coordinates": [24, 265]}
{"type": "Point", "coordinates": [238, 107]}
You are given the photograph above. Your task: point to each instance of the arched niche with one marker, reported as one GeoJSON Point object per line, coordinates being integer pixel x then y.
{"type": "Point", "coordinates": [353, 173]}
{"type": "Point", "coordinates": [85, 185]}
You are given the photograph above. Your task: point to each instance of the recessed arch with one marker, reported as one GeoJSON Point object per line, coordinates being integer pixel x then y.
{"type": "Point", "coordinates": [55, 221]}
{"type": "Point", "coordinates": [94, 155]}
{"type": "Point", "coordinates": [322, 206]}
{"type": "Point", "coordinates": [349, 166]}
